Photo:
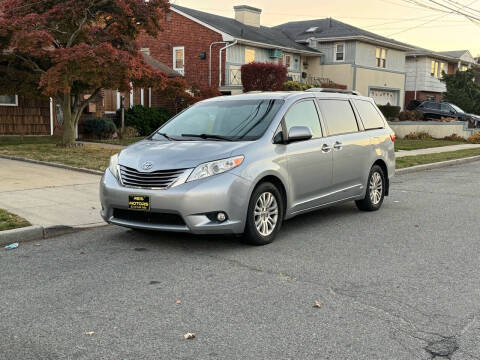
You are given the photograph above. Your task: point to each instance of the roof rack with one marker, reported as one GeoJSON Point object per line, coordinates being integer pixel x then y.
{"type": "Point", "coordinates": [332, 90]}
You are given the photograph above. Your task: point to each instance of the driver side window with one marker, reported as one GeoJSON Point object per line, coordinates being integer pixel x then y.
{"type": "Point", "coordinates": [304, 113]}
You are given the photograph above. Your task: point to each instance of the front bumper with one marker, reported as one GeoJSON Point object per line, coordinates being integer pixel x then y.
{"type": "Point", "coordinates": [191, 201]}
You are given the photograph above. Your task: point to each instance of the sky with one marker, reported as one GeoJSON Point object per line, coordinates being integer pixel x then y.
{"type": "Point", "coordinates": [398, 19]}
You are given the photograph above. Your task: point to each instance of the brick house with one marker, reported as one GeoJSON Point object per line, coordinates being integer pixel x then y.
{"type": "Point", "coordinates": [424, 72]}
{"type": "Point", "coordinates": [209, 50]}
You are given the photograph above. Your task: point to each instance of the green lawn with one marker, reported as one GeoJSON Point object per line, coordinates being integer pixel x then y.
{"type": "Point", "coordinates": [10, 221]}
{"type": "Point", "coordinates": [409, 161]}
{"type": "Point", "coordinates": [90, 156]}
{"type": "Point", "coordinates": [124, 142]}
{"type": "Point", "coordinates": [401, 144]}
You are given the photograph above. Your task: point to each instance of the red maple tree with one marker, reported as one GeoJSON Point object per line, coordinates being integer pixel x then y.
{"type": "Point", "coordinates": [67, 49]}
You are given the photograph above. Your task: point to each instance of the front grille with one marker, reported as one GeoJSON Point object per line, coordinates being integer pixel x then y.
{"type": "Point", "coordinates": [156, 179]}
{"type": "Point", "coordinates": [146, 217]}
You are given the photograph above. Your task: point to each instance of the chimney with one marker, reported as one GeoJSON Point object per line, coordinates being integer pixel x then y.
{"type": "Point", "coordinates": [247, 15]}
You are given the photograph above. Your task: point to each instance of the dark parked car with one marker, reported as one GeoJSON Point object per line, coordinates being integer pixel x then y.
{"type": "Point", "coordinates": [433, 110]}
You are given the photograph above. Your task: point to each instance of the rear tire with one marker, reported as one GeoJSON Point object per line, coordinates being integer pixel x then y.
{"type": "Point", "coordinates": [265, 215]}
{"type": "Point", "coordinates": [375, 193]}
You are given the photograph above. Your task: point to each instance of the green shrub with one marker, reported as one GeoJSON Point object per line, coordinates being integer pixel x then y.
{"type": "Point", "coordinates": [295, 86]}
{"type": "Point", "coordinates": [389, 111]}
{"type": "Point", "coordinates": [419, 136]}
{"type": "Point", "coordinates": [99, 128]}
{"type": "Point", "coordinates": [146, 120]}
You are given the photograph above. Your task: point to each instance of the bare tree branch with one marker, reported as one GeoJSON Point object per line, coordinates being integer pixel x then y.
{"type": "Point", "coordinates": [32, 63]}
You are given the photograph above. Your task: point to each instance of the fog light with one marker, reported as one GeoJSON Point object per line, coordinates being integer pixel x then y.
{"type": "Point", "coordinates": [221, 216]}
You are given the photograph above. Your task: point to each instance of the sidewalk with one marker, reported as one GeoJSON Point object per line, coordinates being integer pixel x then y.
{"type": "Point", "coordinates": [435, 150]}
{"type": "Point", "coordinates": [48, 196]}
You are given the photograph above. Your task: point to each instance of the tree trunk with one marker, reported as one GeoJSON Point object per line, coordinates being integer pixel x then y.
{"type": "Point", "coordinates": [68, 120]}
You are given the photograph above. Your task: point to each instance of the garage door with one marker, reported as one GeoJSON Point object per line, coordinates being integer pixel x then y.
{"type": "Point", "coordinates": [384, 97]}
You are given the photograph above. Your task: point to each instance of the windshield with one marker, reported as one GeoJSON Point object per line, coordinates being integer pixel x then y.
{"type": "Point", "coordinates": [457, 109]}
{"type": "Point", "coordinates": [231, 120]}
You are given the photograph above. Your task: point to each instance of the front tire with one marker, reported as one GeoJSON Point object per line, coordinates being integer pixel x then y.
{"type": "Point", "coordinates": [265, 215]}
{"type": "Point", "coordinates": [375, 194]}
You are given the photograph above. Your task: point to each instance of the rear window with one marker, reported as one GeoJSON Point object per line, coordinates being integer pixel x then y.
{"type": "Point", "coordinates": [370, 116]}
{"type": "Point", "coordinates": [339, 116]}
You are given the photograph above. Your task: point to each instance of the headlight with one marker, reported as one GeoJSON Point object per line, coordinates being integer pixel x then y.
{"type": "Point", "coordinates": [215, 167]}
{"type": "Point", "coordinates": [114, 165]}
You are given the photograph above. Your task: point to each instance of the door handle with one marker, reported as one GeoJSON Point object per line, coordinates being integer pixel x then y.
{"type": "Point", "coordinates": [326, 148]}
{"type": "Point", "coordinates": [338, 145]}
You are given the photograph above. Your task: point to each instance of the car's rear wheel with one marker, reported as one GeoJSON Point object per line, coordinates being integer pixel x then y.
{"type": "Point", "coordinates": [375, 194]}
{"type": "Point", "coordinates": [265, 215]}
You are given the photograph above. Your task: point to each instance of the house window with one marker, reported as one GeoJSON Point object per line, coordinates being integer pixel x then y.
{"type": "Point", "coordinates": [288, 61]}
{"type": "Point", "coordinates": [179, 59]}
{"type": "Point", "coordinates": [339, 52]}
{"type": "Point", "coordinates": [249, 55]}
{"type": "Point", "coordinates": [8, 100]}
{"type": "Point", "coordinates": [441, 70]}
{"type": "Point", "coordinates": [381, 56]}
{"type": "Point", "coordinates": [436, 69]}
{"type": "Point", "coordinates": [464, 68]}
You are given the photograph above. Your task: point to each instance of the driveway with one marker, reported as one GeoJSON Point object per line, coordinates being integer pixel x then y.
{"type": "Point", "coordinates": [46, 195]}
{"type": "Point", "coordinates": [392, 284]}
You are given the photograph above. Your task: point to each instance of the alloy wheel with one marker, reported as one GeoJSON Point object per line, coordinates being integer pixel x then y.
{"type": "Point", "coordinates": [376, 188]}
{"type": "Point", "coordinates": [266, 213]}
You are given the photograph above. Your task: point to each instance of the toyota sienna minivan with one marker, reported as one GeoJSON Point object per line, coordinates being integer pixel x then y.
{"type": "Point", "coordinates": [243, 164]}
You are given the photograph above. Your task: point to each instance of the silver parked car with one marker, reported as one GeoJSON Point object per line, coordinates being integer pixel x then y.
{"type": "Point", "coordinates": [243, 164]}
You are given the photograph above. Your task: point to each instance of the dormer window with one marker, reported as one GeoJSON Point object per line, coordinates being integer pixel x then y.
{"type": "Point", "coordinates": [339, 54]}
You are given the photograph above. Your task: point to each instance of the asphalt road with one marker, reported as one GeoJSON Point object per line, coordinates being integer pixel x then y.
{"type": "Point", "coordinates": [401, 283]}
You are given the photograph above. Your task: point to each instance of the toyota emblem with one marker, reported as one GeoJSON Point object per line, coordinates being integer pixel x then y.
{"type": "Point", "coordinates": [147, 165]}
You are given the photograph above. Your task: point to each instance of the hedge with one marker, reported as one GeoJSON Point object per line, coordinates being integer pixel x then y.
{"type": "Point", "coordinates": [263, 76]}
{"type": "Point", "coordinates": [389, 111]}
{"type": "Point", "coordinates": [146, 120]}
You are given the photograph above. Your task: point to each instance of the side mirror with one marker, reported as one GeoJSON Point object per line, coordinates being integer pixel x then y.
{"type": "Point", "coordinates": [299, 133]}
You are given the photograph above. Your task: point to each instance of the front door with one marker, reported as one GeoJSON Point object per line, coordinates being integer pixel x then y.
{"type": "Point", "coordinates": [310, 161]}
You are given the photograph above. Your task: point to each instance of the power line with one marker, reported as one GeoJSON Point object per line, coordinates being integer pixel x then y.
{"type": "Point", "coordinates": [430, 21]}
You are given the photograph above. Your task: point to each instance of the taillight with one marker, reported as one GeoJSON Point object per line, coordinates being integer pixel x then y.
{"type": "Point", "coordinates": [393, 137]}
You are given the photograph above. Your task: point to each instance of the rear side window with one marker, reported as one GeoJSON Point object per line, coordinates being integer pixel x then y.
{"type": "Point", "coordinates": [370, 116]}
{"type": "Point", "coordinates": [304, 113]}
{"type": "Point", "coordinates": [446, 108]}
{"type": "Point", "coordinates": [338, 116]}
{"type": "Point", "coordinates": [432, 106]}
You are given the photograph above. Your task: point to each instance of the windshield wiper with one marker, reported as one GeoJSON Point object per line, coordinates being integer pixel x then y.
{"type": "Point", "coordinates": [166, 136]}
{"type": "Point", "coordinates": [208, 136]}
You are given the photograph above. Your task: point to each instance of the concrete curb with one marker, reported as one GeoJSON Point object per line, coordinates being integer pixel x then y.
{"type": "Point", "coordinates": [36, 232]}
{"type": "Point", "coordinates": [436, 165]}
{"type": "Point", "coordinates": [46, 163]}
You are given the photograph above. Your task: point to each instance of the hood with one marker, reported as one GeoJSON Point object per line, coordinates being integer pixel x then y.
{"type": "Point", "coordinates": [166, 155]}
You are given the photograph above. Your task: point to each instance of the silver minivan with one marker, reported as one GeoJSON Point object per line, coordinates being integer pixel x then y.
{"type": "Point", "coordinates": [243, 164]}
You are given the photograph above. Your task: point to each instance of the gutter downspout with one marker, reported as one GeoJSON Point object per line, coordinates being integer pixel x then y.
{"type": "Point", "coordinates": [220, 62]}
{"type": "Point", "coordinates": [416, 74]}
{"type": "Point", "coordinates": [51, 117]}
{"type": "Point", "coordinates": [210, 60]}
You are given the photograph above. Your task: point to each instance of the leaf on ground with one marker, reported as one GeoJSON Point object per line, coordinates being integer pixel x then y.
{"type": "Point", "coordinates": [318, 304]}
{"type": "Point", "coordinates": [178, 302]}
{"type": "Point", "coordinates": [90, 333]}
{"type": "Point", "coordinates": [189, 336]}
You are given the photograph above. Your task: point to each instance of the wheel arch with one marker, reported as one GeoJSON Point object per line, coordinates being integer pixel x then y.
{"type": "Point", "coordinates": [278, 182]}
{"type": "Point", "coordinates": [383, 166]}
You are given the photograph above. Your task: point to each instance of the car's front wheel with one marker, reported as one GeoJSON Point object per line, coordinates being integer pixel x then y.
{"type": "Point", "coordinates": [265, 215]}
{"type": "Point", "coordinates": [375, 190]}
